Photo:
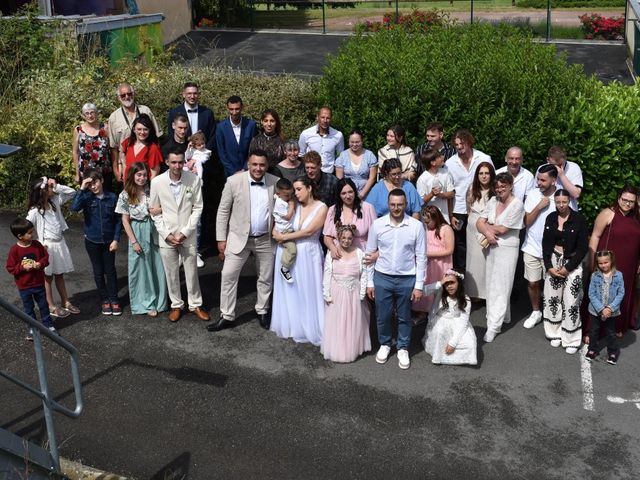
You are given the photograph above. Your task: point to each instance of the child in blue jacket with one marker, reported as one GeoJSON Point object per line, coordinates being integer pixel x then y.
{"type": "Point", "coordinates": [605, 296]}
{"type": "Point", "coordinates": [102, 231]}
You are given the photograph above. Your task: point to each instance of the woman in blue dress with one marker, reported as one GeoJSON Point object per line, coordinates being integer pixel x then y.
{"type": "Point", "coordinates": [147, 284]}
{"type": "Point", "coordinates": [391, 173]}
{"type": "Point", "coordinates": [358, 164]}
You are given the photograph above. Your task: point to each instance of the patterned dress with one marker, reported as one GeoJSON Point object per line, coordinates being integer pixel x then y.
{"type": "Point", "coordinates": [94, 151]}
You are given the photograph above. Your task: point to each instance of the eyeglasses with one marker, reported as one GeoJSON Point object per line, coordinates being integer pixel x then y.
{"type": "Point", "coordinates": [627, 201]}
{"type": "Point", "coordinates": [395, 175]}
{"type": "Point", "coordinates": [126, 95]}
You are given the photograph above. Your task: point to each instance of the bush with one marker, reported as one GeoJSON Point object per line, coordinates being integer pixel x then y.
{"type": "Point", "coordinates": [43, 122]}
{"type": "Point", "coordinates": [595, 26]}
{"type": "Point", "coordinates": [572, 3]}
{"type": "Point", "coordinates": [415, 22]}
{"type": "Point", "coordinates": [495, 81]}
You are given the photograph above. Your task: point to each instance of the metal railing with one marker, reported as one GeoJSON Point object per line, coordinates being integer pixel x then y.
{"type": "Point", "coordinates": [632, 33]}
{"type": "Point", "coordinates": [49, 405]}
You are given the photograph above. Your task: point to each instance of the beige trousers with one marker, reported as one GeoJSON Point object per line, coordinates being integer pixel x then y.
{"type": "Point", "coordinates": [263, 252]}
{"type": "Point", "coordinates": [171, 263]}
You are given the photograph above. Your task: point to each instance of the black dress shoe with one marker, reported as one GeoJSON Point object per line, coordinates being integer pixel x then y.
{"type": "Point", "coordinates": [219, 325]}
{"type": "Point", "coordinates": [264, 319]}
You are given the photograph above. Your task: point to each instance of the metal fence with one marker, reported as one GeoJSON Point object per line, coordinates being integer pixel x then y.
{"type": "Point", "coordinates": [328, 16]}
{"type": "Point", "coordinates": [632, 34]}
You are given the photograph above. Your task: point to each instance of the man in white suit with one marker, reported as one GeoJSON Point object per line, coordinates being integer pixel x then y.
{"type": "Point", "coordinates": [178, 194]}
{"type": "Point", "coordinates": [243, 227]}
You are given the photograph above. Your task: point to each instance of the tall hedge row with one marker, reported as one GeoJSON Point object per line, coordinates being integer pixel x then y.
{"type": "Point", "coordinates": [497, 82]}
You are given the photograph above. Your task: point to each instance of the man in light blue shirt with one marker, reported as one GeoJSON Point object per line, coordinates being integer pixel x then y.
{"type": "Point", "coordinates": [397, 243]}
{"type": "Point", "coordinates": [324, 139]}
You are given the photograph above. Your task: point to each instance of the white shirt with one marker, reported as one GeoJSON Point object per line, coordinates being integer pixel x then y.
{"type": "Point", "coordinates": [574, 174]}
{"type": "Point", "coordinates": [259, 207]}
{"type": "Point", "coordinates": [193, 117]}
{"type": "Point", "coordinates": [329, 146]}
{"type": "Point", "coordinates": [402, 248]}
{"type": "Point", "coordinates": [176, 189]}
{"type": "Point", "coordinates": [522, 183]}
{"type": "Point", "coordinates": [236, 129]}
{"type": "Point", "coordinates": [443, 179]}
{"type": "Point", "coordinates": [280, 210]}
{"type": "Point", "coordinates": [462, 178]}
{"type": "Point", "coordinates": [533, 241]}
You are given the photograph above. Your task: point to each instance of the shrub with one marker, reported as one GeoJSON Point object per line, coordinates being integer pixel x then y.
{"type": "Point", "coordinates": [595, 26]}
{"type": "Point", "coordinates": [415, 22]}
{"type": "Point", "coordinates": [43, 122]}
{"type": "Point", "coordinates": [495, 81]}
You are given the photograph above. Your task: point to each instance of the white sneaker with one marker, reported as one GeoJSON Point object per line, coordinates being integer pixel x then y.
{"type": "Point", "coordinates": [490, 336]}
{"type": "Point", "coordinates": [571, 350]}
{"type": "Point", "coordinates": [403, 359]}
{"type": "Point", "coordinates": [383, 354]}
{"type": "Point", "coordinates": [534, 319]}
{"type": "Point", "coordinates": [199, 261]}
{"type": "Point", "coordinates": [556, 342]}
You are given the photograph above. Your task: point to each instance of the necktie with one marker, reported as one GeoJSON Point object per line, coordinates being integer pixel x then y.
{"type": "Point", "coordinates": [257, 183]}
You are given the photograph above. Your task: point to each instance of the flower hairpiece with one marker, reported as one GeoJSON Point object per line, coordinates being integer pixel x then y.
{"type": "Point", "coordinates": [44, 183]}
{"type": "Point", "coordinates": [454, 273]}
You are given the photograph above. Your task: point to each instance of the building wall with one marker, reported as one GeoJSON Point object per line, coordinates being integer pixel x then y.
{"type": "Point", "coordinates": [177, 16]}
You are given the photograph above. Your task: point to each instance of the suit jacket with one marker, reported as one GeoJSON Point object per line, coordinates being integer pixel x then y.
{"type": "Point", "coordinates": [177, 217]}
{"type": "Point", "coordinates": [206, 123]}
{"type": "Point", "coordinates": [233, 221]}
{"type": "Point", "coordinates": [233, 155]}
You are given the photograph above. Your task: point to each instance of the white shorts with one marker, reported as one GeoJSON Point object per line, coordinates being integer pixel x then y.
{"type": "Point", "coordinates": [533, 267]}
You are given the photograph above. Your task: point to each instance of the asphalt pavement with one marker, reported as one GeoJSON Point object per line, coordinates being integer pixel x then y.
{"type": "Point", "coordinates": [172, 401]}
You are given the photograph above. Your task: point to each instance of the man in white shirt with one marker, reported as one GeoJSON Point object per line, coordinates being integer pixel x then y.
{"type": "Point", "coordinates": [243, 227]}
{"type": "Point", "coordinates": [569, 174]}
{"type": "Point", "coordinates": [523, 180]}
{"type": "Point", "coordinates": [397, 276]}
{"type": "Point", "coordinates": [462, 167]}
{"type": "Point", "coordinates": [435, 184]}
{"type": "Point", "coordinates": [324, 139]}
{"type": "Point", "coordinates": [537, 206]}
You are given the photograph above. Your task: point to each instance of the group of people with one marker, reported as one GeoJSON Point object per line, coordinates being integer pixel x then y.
{"type": "Point", "coordinates": [338, 235]}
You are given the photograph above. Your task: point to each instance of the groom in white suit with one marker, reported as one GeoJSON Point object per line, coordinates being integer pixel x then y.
{"type": "Point", "coordinates": [243, 227]}
{"type": "Point", "coordinates": [178, 194]}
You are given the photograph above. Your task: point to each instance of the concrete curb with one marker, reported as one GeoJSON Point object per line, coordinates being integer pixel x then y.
{"type": "Point", "coordinates": [77, 471]}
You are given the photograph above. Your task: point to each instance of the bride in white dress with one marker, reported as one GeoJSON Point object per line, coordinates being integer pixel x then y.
{"type": "Point", "coordinates": [298, 307]}
{"type": "Point", "coordinates": [450, 338]}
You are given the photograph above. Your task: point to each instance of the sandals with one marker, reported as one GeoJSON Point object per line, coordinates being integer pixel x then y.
{"type": "Point", "coordinates": [71, 308]}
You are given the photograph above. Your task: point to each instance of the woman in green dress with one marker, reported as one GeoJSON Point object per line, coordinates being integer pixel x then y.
{"type": "Point", "coordinates": [147, 284]}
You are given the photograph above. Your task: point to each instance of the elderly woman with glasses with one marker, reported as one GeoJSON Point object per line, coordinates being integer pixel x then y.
{"type": "Point", "coordinates": [391, 172]}
{"type": "Point", "coordinates": [90, 146]}
{"type": "Point", "coordinates": [617, 228]}
{"type": "Point", "coordinates": [291, 167]}
{"type": "Point", "coordinates": [564, 246]}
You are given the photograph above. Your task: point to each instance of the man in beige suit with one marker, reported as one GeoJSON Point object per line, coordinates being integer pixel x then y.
{"type": "Point", "coordinates": [178, 194]}
{"type": "Point", "coordinates": [243, 227]}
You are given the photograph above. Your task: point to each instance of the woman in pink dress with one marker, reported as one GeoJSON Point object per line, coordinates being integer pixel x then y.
{"type": "Point", "coordinates": [348, 210]}
{"type": "Point", "coordinates": [346, 319]}
{"type": "Point", "coordinates": [440, 242]}
{"type": "Point", "coordinates": [617, 228]}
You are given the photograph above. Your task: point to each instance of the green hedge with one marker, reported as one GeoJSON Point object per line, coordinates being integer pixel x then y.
{"type": "Point", "coordinates": [572, 4]}
{"type": "Point", "coordinates": [43, 122]}
{"type": "Point", "coordinates": [495, 81]}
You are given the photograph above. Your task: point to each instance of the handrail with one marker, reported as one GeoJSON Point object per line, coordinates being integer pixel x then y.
{"type": "Point", "coordinates": [48, 403]}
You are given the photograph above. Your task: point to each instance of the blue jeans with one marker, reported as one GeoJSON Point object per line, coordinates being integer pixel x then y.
{"type": "Point", "coordinates": [104, 268]}
{"type": "Point", "coordinates": [28, 295]}
{"type": "Point", "coordinates": [390, 290]}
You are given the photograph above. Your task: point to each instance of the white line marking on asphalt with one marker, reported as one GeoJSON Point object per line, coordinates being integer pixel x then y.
{"type": "Point", "coordinates": [635, 399]}
{"type": "Point", "coordinates": [587, 382]}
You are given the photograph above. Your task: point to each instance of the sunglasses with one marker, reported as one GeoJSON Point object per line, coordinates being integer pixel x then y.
{"type": "Point", "coordinates": [126, 95]}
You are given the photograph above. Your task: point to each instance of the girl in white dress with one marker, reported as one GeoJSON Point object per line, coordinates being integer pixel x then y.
{"type": "Point", "coordinates": [449, 337]}
{"type": "Point", "coordinates": [298, 307]}
{"type": "Point", "coordinates": [45, 212]}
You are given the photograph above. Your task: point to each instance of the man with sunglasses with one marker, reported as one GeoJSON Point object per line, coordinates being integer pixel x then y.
{"type": "Point", "coordinates": [121, 120]}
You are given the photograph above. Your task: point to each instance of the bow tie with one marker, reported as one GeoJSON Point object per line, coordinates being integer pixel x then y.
{"type": "Point", "coordinates": [195, 110]}
{"type": "Point", "coordinates": [257, 183]}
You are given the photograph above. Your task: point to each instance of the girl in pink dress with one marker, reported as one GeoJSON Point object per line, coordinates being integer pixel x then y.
{"type": "Point", "coordinates": [440, 242]}
{"type": "Point", "coordinates": [346, 324]}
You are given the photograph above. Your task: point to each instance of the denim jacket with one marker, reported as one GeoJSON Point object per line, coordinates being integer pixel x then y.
{"type": "Point", "coordinates": [101, 222]}
{"type": "Point", "coordinates": [596, 294]}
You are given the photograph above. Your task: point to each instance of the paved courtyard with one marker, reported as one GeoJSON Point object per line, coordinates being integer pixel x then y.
{"type": "Point", "coordinates": [172, 401]}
